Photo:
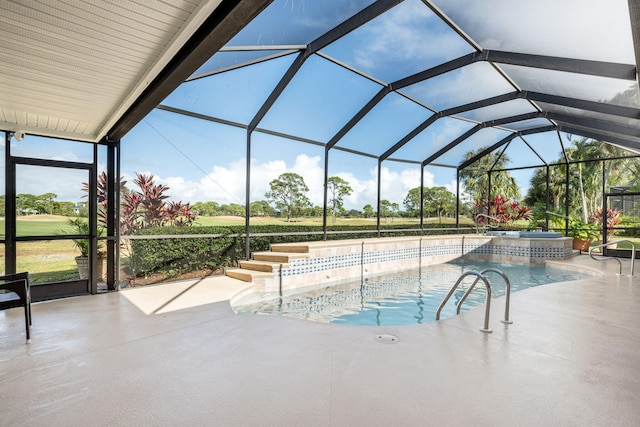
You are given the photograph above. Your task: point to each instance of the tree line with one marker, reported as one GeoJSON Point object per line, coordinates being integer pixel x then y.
{"type": "Point", "coordinates": [288, 198]}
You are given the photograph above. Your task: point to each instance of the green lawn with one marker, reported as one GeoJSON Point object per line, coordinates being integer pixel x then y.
{"type": "Point", "coordinates": [207, 221]}
{"type": "Point", "coordinates": [40, 225]}
{"type": "Point", "coordinates": [54, 260]}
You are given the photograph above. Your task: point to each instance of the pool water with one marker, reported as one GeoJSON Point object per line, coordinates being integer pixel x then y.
{"type": "Point", "coordinates": [405, 298]}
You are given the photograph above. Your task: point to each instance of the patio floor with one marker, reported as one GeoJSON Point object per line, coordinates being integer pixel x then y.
{"type": "Point", "coordinates": [176, 354]}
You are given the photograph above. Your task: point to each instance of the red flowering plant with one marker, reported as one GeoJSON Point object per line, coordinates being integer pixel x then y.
{"type": "Point", "coordinates": [500, 210]}
{"type": "Point", "coordinates": [613, 219]}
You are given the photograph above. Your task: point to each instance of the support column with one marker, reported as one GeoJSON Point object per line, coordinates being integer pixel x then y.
{"type": "Point", "coordinates": [379, 195]}
{"type": "Point", "coordinates": [421, 200]}
{"type": "Point", "coordinates": [326, 193]}
{"type": "Point", "coordinates": [547, 195]}
{"type": "Point", "coordinates": [10, 208]}
{"type": "Point", "coordinates": [247, 188]}
{"type": "Point", "coordinates": [111, 214]}
{"type": "Point", "coordinates": [457, 199]}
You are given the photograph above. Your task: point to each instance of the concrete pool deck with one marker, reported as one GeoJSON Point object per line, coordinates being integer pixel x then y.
{"type": "Point", "coordinates": [176, 354]}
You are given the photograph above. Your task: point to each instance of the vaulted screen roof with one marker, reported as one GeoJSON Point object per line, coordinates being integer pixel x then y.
{"type": "Point", "coordinates": [430, 79]}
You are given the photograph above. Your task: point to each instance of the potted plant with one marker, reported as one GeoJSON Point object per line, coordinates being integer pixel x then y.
{"type": "Point", "coordinates": [82, 227]}
{"type": "Point", "coordinates": [583, 234]}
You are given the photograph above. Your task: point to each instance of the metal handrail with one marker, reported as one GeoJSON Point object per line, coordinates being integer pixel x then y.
{"type": "Point", "coordinates": [487, 303]}
{"type": "Point", "coordinates": [489, 217]}
{"type": "Point", "coordinates": [604, 245]}
{"type": "Point", "coordinates": [507, 293]}
{"type": "Point", "coordinates": [558, 215]}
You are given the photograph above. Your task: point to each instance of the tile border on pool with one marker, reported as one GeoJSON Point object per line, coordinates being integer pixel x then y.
{"type": "Point", "coordinates": [333, 262]}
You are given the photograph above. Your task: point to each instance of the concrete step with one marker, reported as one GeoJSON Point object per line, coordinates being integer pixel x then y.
{"type": "Point", "coordinates": [283, 257]}
{"type": "Point", "coordinates": [266, 266]}
{"type": "Point", "coordinates": [288, 247]}
{"type": "Point", "coordinates": [247, 275]}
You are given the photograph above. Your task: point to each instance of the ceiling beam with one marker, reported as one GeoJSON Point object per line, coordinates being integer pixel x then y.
{"type": "Point", "coordinates": [220, 27]}
{"type": "Point", "coordinates": [345, 27]}
{"type": "Point", "coordinates": [598, 107]}
{"type": "Point", "coordinates": [571, 65]}
{"type": "Point", "coordinates": [634, 14]}
{"type": "Point", "coordinates": [594, 124]}
{"type": "Point", "coordinates": [452, 65]}
{"type": "Point", "coordinates": [482, 103]}
{"type": "Point", "coordinates": [408, 137]}
{"type": "Point", "coordinates": [451, 145]}
{"type": "Point", "coordinates": [359, 115]}
{"type": "Point", "coordinates": [587, 133]}
{"type": "Point", "coordinates": [502, 142]}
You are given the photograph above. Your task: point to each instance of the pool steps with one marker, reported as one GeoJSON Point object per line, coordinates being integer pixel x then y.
{"type": "Point", "coordinates": [263, 264]}
{"type": "Point", "coordinates": [293, 265]}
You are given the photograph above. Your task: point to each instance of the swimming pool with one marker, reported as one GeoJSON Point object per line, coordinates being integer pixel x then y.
{"type": "Point", "coordinates": [406, 298]}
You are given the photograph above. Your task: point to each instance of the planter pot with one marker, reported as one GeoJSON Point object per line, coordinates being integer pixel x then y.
{"type": "Point", "coordinates": [83, 267]}
{"type": "Point", "coordinates": [581, 244]}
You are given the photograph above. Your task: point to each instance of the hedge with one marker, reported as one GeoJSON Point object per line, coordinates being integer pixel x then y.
{"type": "Point", "coordinates": [174, 257]}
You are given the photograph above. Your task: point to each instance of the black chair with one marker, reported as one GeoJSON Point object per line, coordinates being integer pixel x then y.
{"type": "Point", "coordinates": [19, 284]}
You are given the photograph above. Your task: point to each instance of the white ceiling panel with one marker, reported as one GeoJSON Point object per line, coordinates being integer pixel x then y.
{"type": "Point", "coordinates": [70, 68]}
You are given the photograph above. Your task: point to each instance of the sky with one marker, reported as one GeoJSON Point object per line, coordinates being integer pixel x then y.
{"type": "Point", "coordinates": [202, 161]}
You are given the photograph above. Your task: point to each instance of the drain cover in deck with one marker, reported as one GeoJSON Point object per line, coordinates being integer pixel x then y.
{"type": "Point", "coordinates": [387, 338]}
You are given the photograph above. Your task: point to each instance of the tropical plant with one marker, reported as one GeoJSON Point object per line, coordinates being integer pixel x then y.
{"type": "Point", "coordinates": [81, 226]}
{"type": "Point", "coordinates": [149, 207]}
{"type": "Point", "coordinates": [614, 218]}
{"type": "Point", "coordinates": [143, 208]}
{"type": "Point", "coordinates": [582, 230]}
{"type": "Point", "coordinates": [501, 210]}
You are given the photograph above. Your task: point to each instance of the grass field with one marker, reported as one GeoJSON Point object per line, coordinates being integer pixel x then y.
{"type": "Point", "coordinates": [55, 260]}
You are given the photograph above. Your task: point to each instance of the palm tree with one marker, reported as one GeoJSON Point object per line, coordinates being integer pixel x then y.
{"type": "Point", "coordinates": [588, 177]}
{"type": "Point", "coordinates": [475, 177]}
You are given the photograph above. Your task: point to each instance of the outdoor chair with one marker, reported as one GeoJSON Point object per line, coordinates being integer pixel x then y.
{"type": "Point", "coordinates": [18, 284]}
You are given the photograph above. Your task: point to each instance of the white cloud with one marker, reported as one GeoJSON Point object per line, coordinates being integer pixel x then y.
{"type": "Point", "coordinates": [226, 184]}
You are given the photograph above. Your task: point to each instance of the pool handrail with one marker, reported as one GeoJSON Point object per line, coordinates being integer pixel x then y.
{"type": "Point", "coordinates": [489, 217]}
{"type": "Point", "coordinates": [487, 303]}
{"type": "Point", "coordinates": [558, 215]}
{"type": "Point", "coordinates": [603, 258]}
{"type": "Point", "coordinates": [507, 293]}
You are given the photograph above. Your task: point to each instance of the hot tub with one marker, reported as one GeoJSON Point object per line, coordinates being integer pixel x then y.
{"type": "Point", "coordinates": [540, 234]}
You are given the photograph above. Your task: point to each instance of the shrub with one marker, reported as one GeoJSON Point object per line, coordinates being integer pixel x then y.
{"type": "Point", "coordinates": [174, 257]}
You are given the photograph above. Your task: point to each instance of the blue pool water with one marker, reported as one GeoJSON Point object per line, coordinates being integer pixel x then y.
{"type": "Point", "coordinates": [405, 298]}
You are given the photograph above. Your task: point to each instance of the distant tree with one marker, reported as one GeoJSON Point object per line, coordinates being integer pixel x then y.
{"type": "Point", "coordinates": [368, 211]}
{"type": "Point", "coordinates": [25, 204]}
{"type": "Point", "coordinates": [289, 194]}
{"type": "Point", "coordinates": [412, 202]}
{"type": "Point", "coordinates": [44, 203]}
{"type": "Point", "coordinates": [354, 213]}
{"type": "Point", "coordinates": [206, 208]}
{"type": "Point", "coordinates": [63, 208]}
{"type": "Point", "coordinates": [338, 189]}
{"type": "Point", "coordinates": [256, 209]}
{"type": "Point", "coordinates": [439, 200]}
{"type": "Point", "coordinates": [389, 209]}
{"type": "Point", "coordinates": [233, 209]}
{"type": "Point", "coordinates": [3, 205]}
